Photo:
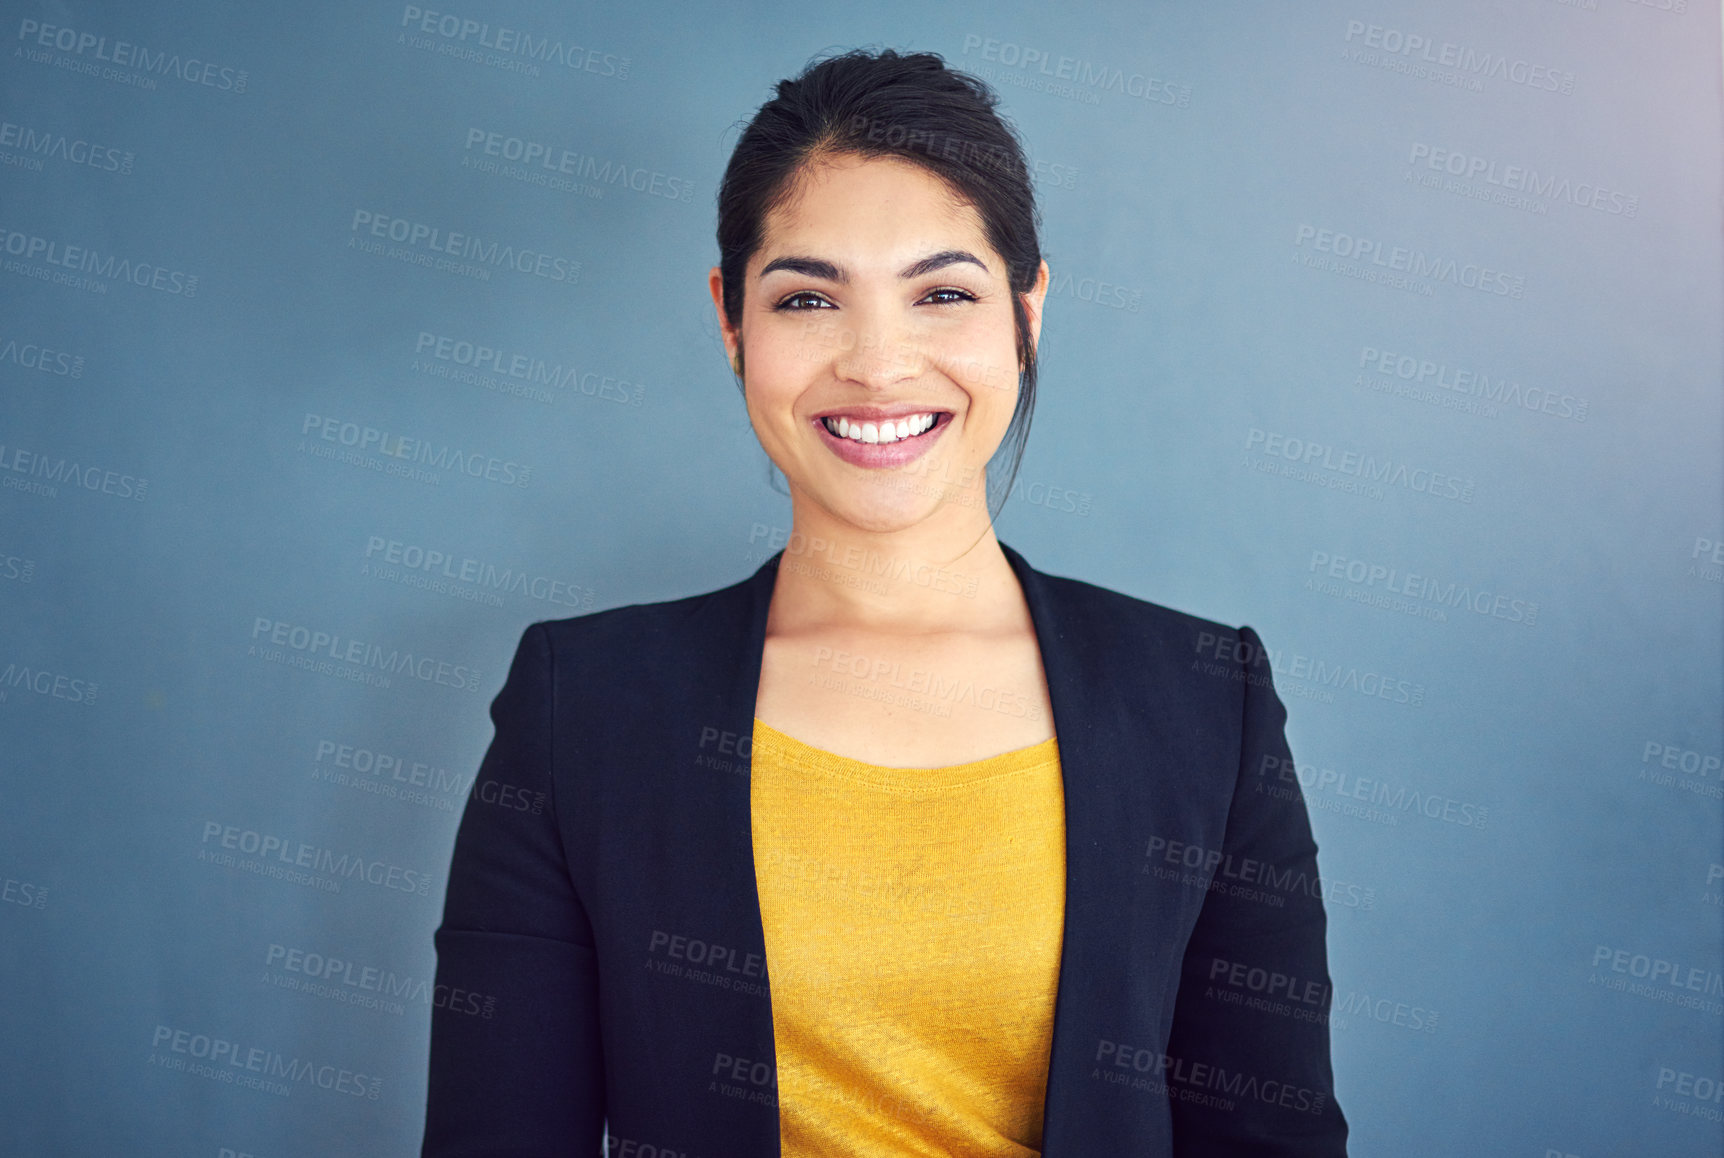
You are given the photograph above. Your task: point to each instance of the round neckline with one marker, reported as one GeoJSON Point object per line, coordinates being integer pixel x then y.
{"type": "Point", "coordinates": [807, 756]}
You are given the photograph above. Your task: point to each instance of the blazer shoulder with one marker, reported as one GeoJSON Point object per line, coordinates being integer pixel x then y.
{"type": "Point", "coordinates": [1194, 667]}
{"type": "Point", "coordinates": [1139, 616]}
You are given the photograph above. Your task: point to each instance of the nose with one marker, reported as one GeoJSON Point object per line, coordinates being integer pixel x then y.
{"type": "Point", "coordinates": [877, 351]}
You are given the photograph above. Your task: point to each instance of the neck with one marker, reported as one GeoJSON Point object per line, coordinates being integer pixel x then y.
{"type": "Point", "coordinates": [946, 573]}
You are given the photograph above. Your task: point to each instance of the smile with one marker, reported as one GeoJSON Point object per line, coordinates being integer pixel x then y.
{"type": "Point", "coordinates": [858, 431]}
{"type": "Point", "coordinates": [878, 441]}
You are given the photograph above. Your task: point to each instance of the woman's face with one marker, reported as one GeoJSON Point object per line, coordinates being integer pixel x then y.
{"type": "Point", "coordinates": [879, 353]}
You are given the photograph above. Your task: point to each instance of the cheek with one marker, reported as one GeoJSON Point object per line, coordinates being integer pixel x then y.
{"type": "Point", "coordinates": [982, 357]}
{"type": "Point", "coordinates": [769, 411]}
{"type": "Point", "coordinates": [771, 378]}
{"type": "Point", "coordinates": [781, 351]}
{"type": "Point", "coordinates": [771, 398]}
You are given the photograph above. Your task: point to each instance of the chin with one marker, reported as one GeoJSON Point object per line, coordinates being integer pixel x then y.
{"type": "Point", "coordinates": [882, 513]}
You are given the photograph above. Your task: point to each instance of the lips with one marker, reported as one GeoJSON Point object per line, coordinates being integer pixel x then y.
{"type": "Point", "coordinates": [868, 436]}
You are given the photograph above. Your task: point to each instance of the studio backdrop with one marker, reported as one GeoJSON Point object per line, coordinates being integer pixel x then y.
{"type": "Point", "coordinates": [341, 341]}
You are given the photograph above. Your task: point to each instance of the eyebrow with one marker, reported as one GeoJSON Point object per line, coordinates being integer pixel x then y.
{"type": "Point", "coordinates": [828, 271]}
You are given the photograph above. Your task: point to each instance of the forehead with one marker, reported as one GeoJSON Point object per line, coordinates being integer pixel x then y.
{"type": "Point", "coordinates": [870, 210]}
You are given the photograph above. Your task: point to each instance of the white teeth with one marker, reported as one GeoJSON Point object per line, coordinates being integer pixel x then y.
{"type": "Point", "coordinates": [907, 427]}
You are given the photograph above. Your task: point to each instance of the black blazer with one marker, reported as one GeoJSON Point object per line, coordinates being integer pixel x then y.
{"type": "Point", "coordinates": [601, 958]}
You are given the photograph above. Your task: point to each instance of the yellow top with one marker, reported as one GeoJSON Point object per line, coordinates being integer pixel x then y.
{"type": "Point", "coordinates": [913, 921]}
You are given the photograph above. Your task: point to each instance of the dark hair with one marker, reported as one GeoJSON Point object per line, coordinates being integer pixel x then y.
{"type": "Point", "coordinates": [887, 104]}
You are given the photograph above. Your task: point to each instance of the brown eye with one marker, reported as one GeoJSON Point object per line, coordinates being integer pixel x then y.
{"type": "Point", "coordinates": [804, 300]}
{"type": "Point", "coordinates": [948, 295]}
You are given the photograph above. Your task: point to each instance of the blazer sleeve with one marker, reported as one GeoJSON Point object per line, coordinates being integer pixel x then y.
{"type": "Point", "coordinates": [1262, 1038]}
{"type": "Point", "coordinates": [516, 1067]}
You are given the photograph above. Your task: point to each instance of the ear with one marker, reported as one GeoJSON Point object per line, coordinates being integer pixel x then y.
{"type": "Point", "coordinates": [1034, 298]}
{"type": "Point", "coordinates": [732, 339]}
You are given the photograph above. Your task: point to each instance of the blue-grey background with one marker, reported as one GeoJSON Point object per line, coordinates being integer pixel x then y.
{"type": "Point", "coordinates": [1518, 808]}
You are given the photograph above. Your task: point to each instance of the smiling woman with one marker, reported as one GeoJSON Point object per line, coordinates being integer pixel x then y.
{"type": "Point", "coordinates": [900, 845]}
{"type": "Point", "coordinates": [878, 303]}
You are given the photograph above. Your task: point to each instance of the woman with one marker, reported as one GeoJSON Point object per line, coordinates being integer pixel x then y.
{"type": "Point", "coordinates": [899, 846]}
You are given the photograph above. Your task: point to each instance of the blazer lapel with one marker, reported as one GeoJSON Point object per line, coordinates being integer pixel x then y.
{"type": "Point", "coordinates": [1090, 948]}
{"type": "Point", "coordinates": [1120, 956]}
{"type": "Point", "coordinates": [735, 646]}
